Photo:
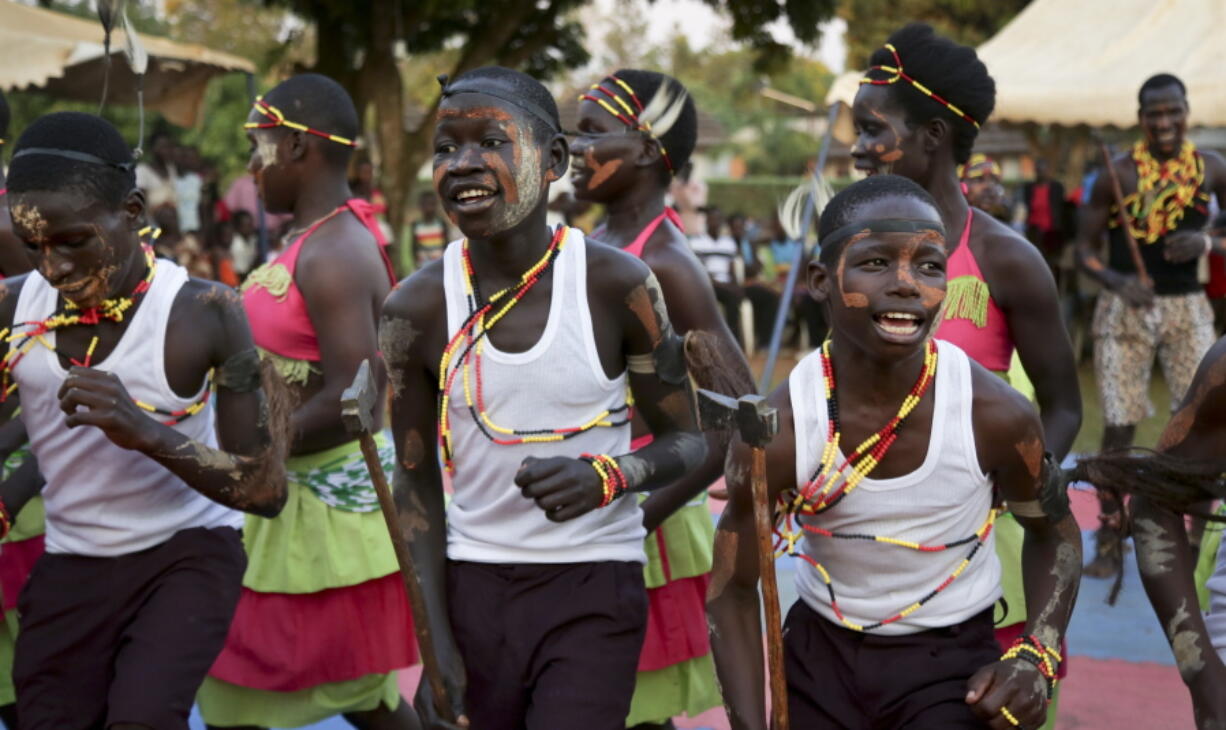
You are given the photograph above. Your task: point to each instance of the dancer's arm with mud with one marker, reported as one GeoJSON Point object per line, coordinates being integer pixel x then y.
{"type": "Point", "coordinates": [567, 488]}
{"type": "Point", "coordinates": [247, 470]}
{"type": "Point", "coordinates": [1022, 285]}
{"type": "Point", "coordinates": [1009, 439]}
{"type": "Point", "coordinates": [692, 308]}
{"type": "Point", "coordinates": [343, 281]}
{"type": "Point", "coordinates": [1196, 433]}
{"type": "Point", "coordinates": [412, 339]}
{"type": "Point", "coordinates": [733, 607]}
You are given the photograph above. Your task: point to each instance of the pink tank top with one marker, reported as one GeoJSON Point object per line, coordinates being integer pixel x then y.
{"type": "Point", "coordinates": [280, 322]}
{"type": "Point", "coordinates": [973, 321]}
{"type": "Point", "coordinates": [635, 248]}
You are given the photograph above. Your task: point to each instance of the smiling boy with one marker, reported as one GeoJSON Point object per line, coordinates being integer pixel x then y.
{"type": "Point", "coordinates": [894, 623]}
{"type": "Point", "coordinates": [533, 576]}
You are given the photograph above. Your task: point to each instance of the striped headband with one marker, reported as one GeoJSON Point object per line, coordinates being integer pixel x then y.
{"type": "Point", "coordinates": [896, 73]}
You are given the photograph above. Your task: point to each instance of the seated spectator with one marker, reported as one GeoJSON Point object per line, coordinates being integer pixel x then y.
{"type": "Point", "coordinates": [720, 255]}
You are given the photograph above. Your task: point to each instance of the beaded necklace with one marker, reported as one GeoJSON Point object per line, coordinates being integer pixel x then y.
{"type": "Point", "coordinates": [828, 486]}
{"type": "Point", "coordinates": [1165, 190]}
{"type": "Point", "coordinates": [25, 335]}
{"type": "Point", "coordinates": [469, 341]}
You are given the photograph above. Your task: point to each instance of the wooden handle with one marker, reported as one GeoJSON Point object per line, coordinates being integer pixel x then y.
{"type": "Point", "coordinates": [763, 519]}
{"type": "Point", "coordinates": [1122, 216]}
{"type": "Point", "coordinates": [417, 601]}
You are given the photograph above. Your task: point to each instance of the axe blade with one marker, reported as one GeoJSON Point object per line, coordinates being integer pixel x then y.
{"type": "Point", "coordinates": [716, 412]}
{"type": "Point", "coordinates": [757, 420]}
{"type": "Point", "coordinates": [358, 402]}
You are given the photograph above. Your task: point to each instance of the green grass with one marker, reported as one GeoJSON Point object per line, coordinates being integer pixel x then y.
{"type": "Point", "coordinates": [1090, 437]}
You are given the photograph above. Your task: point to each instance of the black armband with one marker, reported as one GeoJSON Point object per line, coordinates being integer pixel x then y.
{"type": "Point", "coordinates": [240, 372]}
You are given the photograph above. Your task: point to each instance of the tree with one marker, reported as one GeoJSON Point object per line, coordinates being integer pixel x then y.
{"type": "Point", "coordinates": [359, 45]}
{"type": "Point", "coordinates": [870, 22]}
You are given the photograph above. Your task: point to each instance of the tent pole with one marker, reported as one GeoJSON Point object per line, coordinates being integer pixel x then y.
{"type": "Point", "coordinates": [781, 314]}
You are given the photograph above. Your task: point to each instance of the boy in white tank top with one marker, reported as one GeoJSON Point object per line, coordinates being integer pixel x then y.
{"type": "Point", "coordinates": [141, 395]}
{"type": "Point", "coordinates": [533, 576]}
{"type": "Point", "coordinates": [1182, 478]}
{"type": "Point", "coordinates": [894, 625]}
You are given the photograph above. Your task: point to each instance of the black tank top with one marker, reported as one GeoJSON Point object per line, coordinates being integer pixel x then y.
{"type": "Point", "coordinates": [1169, 278]}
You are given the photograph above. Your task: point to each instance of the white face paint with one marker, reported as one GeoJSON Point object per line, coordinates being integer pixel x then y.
{"type": "Point", "coordinates": [528, 179]}
{"type": "Point", "coordinates": [266, 150]}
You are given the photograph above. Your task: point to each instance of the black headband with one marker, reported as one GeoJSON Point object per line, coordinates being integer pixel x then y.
{"type": "Point", "coordinates": [73, 155]}
{"type": "Point", "coordinates": [881, 225]}
{"type": "Point", "coordinates": [489, 87]}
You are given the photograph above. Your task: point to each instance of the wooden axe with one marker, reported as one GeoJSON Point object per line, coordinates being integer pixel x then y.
{"type": "Point", "coordinates": [1122, 217]}
{"type": "Point", "coordinates": [357, 412]}
{"type": "Point", "coordinates": [757, 422]}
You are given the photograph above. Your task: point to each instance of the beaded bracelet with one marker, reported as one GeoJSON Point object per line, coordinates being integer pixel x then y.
{"type": "Point", "coordinates": [612, 480]}
{"type": "Point", "coordinates": [6, 522]}
{"type": "Point", "coordinates": [1031, 650]}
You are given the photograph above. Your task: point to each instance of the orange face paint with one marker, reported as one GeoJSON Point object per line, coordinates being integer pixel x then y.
{"type": "Point", "coordinates": [601, 171]}
{"type": "Point", "coordinates": [1031, 452]}
{"type": "Point", "coordinates": [855, 300]}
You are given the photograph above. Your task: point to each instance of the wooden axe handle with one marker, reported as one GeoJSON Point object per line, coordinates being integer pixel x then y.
{"type": "Point", "coordinates": [764, 522]}
{"type": "Point", "coordinates": [1122, 217]}
{"type": "Point", "coordinates": [417, 601]}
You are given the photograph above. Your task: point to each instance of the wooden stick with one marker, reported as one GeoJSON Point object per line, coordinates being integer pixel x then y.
{"type": "Point", "coordinates": [1118, 192]}
{"type": "Point", "coordinates": [417, 601]}
{"type": "Point", "coordinates": [763, 519]}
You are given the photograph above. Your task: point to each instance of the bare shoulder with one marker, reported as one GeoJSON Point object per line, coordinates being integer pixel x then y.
{"type": "Point", "coordinates": [341, 244]}
{"type": "Point", "coordinates": [1008, 259]}
{"type": "Point", "coordinates": [999, 412]}
{"type": "Point", "coordinates": [205, 303]}
{"type": "Point", "coordinates": [420, 297]}
{"type": "Point", "coordinates": [614, 270]}
{"type": "Point", "coordinates": [669, 256]}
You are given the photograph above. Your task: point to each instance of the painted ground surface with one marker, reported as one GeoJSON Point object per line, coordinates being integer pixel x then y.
{"type": "Point", "coordinates": [1122, 675]}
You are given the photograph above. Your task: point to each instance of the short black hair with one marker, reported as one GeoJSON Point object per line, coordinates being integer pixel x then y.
{"type": "Point", "coordinates": [950, 70]}
{"type": "Point", "coordinates": [504, 82]}
{"type": "Point", "coordinates": [844, 208]}
{"type": "Point", "coordinates": [680, 138]}
{"type": "Point", "coordinates": [4, 117]}
{"type": "Point", "coordinates": [241, 213]}
{"type": "Point", "coordinates": [109, 179]}
{"type": "Point", "coordinates": [1160, 81]}
{"type": "Point", "coordinates": [323, 105]}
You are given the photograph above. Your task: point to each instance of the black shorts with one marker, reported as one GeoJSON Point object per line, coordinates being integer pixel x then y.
{"type": "Point", "coordinates": [548, 646]}
{"type": "Point", "coordinates": [839, 678]}
{"type": "Point", "coordinates": [126, 639]}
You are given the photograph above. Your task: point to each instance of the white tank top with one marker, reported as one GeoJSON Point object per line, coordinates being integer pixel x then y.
{"type": "Point", "coordinates": [557, 383]}
{"type": "Point", "coordinates": [947, 498]}
{"type": "Point", "coordinates": [1215, 619]}
{"type": "Point", "coordinates": [103, 500]}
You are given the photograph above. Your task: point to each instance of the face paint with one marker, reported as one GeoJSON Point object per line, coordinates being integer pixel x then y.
{"type": "Point", "coordinates": [1031, 452]}
{"type": "Point", "coordinates": [854, 300]}
{"type": "Point", "coordinates": [726, 543]}
{"type": "Point", "coordinates": [410, 512]}
{"type": "Point", "coordinates": [396, 335]}
{"type": "Point", "coordinates": [414, 450]}
{"type": "Point", "coordinates": [1154, 548]}
{"type": "Point", "coordinates": [930, 296]}
{"type": "Point", "coordinates": [528, 177]}
{"type": "Point", "coordinates": [1185, 643]}
{"type": "Point", "coordinates": [894, 154]}
{"type": "Point", "coordinates": [601, 171]}
{"type": "Point", "coordinates": [31, 221]}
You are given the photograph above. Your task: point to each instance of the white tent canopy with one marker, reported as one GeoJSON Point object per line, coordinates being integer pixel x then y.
{"type": "Point", "coordinates": [63, 55]}
{"type": "Point", "coordinates": [1070, 63]}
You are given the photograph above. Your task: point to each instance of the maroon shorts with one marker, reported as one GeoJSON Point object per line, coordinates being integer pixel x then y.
{"type": "Point", "coordinates": [848, 679]}
{"type": "Point", "coordinates": [548, 646]}
{"type": "Point", "coordinates": [126, 639]}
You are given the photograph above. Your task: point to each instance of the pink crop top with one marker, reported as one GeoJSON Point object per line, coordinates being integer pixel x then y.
{"type": "Point", "coordinates": [279, 319]}
{"type": "Point", "coordinates": [973, 321]}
